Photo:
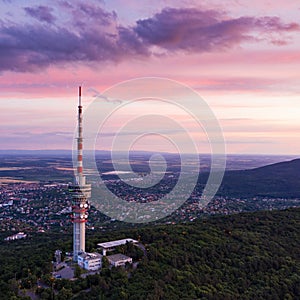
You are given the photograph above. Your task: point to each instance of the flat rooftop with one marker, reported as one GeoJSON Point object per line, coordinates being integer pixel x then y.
{"type": "Point", "coordinates": [90, 256]}
{"type": "Point", "coordinates": [118, 257]}
{"type": "Point", "coordinates": [116, 243]}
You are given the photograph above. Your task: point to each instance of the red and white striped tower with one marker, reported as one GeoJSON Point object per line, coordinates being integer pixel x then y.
{"type": "Point", "coordinates": [79, 140]}
{"type": "Point", "coordinates": [80, 193]}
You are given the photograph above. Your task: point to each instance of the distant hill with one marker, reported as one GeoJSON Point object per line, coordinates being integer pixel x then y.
{"type": "Point", "coordinates": [276, 180]}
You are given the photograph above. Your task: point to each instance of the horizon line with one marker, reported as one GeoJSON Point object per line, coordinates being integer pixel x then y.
{"type": "Point", "coordinates": [147, 151]}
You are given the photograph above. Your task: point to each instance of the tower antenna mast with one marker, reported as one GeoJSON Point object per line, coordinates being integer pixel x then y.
{"type": "Point", "coordinates": [80, 192]}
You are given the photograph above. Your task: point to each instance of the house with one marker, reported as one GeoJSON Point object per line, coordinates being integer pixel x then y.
{"type": "Point", "coordinates": [119, 259]}
{"type": "Point", "coordinates": [20, 235]}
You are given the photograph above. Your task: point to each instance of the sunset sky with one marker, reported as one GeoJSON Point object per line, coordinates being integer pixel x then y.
{"type": "Point", "coordinates": [242, 57]}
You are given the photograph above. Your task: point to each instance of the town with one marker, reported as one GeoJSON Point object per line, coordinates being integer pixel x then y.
{"type": "Point", "coordinates": [41, 207]}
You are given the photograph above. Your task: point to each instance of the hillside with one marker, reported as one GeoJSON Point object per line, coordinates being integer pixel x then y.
{"type": "Point", "coordinates": [276, 180]}
{"type": "Point", "coordinates": [244, 256]}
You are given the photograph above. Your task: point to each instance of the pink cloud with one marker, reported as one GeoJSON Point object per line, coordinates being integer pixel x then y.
{"type": "Point", "coordinates": [100, 38]}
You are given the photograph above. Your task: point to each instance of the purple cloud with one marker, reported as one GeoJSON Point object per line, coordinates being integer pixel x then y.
{"type": "Point", "coordinates": [90, 34]}
{"type": "Point", "coordinates": [41, 13]}
{"type": "Point", "coordinates": [202, 31]}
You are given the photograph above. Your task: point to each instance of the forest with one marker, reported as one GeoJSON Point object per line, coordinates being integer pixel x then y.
{"type": "Point", "coordinates": [242, 256]}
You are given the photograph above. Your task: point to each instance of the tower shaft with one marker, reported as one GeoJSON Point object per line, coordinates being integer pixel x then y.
{"type": "Point", "coordinates": [80, 192]}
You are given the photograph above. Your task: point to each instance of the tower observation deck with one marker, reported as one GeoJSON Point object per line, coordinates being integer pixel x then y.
{"type": "Point", "coordinates": [80, 192]}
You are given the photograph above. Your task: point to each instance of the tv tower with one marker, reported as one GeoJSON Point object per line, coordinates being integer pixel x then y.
{"type": "Point", "coordinates": [80, 192]}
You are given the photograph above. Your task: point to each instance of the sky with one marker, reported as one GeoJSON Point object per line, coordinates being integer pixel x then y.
{"type": "Point", "coordinates": [241, 57]}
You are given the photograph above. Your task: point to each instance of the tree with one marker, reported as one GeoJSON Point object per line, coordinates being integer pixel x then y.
{"type": "Point", "coordinates": [64, 294]}
{"type": "Point", "coordinates": [77, 271]}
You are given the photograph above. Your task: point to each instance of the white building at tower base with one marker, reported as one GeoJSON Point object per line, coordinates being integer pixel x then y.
{"type": "Point", "coordinates": [110, 246]}
{"type": "Point", "coordinates": [90, 261]}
